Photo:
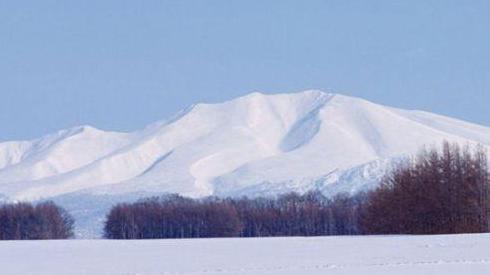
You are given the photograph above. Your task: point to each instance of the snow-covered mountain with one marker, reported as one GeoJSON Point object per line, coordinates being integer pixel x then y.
{"type": "Point", "coordinates": [253, 145]}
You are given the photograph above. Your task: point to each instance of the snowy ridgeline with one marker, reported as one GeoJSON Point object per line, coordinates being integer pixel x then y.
{"type": "Point", "coordinates": [434, 255]}
{"type": "Point", "coordinates": [253, 145]}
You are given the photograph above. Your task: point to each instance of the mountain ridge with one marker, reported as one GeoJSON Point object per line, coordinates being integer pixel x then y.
{"type": "Point", "coordinates": [278, 124]}
{"type": "Point", "coordinates": [253, 145]}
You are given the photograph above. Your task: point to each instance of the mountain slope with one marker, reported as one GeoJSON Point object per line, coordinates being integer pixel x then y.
{"type": "Point", "coordinates": [253, 145]}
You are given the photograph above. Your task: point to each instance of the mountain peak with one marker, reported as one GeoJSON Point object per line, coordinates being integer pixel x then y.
{"type": "Point", "coordinates": [85, 129]}
{"type": "Point", "coordinates": [297, 95]}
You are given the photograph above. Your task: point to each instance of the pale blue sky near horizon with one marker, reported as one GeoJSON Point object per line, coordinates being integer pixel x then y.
{"type": "Point", "coordinates": [120, 65]}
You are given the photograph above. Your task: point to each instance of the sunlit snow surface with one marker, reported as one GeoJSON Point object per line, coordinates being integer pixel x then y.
{"type": "Point", "coordinates": [434, 255]}
{"type": "Point", "coordinates": [253, 145]}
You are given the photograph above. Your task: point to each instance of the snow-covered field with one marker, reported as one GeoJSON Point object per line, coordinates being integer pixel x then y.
{"type": "Point", "coordinates": [455, 254]}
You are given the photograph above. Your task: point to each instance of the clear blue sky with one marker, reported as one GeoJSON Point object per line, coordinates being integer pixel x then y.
{"type": "Point", "coordinates": [119, 65]}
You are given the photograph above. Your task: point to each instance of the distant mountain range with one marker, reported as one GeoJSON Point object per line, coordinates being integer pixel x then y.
{"type": "Point", "coordinates": [253, 145]}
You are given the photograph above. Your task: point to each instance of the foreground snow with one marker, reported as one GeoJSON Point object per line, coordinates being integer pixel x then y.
{"type": "Point", "coordinates": [456, 254]}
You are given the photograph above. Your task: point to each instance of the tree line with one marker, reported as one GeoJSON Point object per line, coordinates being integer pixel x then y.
{"type": "Point", "coordinates": [178, 217]}
{"type": "Point", "coordinates": [25, 221]}
{"type": "Point", "coordinates": [441, 191]}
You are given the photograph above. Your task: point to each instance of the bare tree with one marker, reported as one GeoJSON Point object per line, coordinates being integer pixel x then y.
{"type": "Point", "coordinates": [440, 192]}
{"type": "Point", "coordinates": [24, 221]}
